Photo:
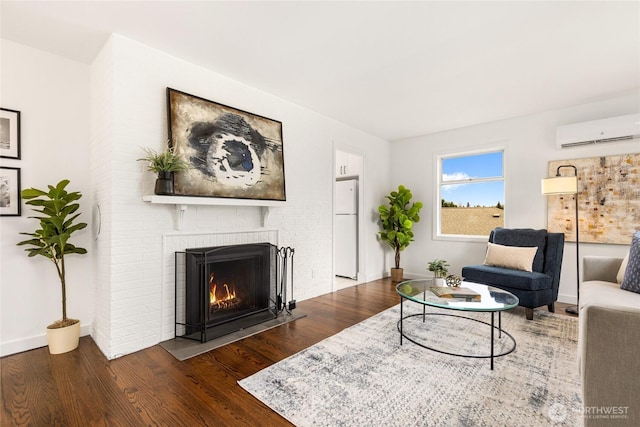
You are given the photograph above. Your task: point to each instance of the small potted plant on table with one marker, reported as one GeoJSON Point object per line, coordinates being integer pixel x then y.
{"type": "Point", "coordinates": [440, 268]}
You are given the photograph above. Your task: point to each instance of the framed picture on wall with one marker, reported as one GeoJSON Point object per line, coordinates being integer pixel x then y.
{"type": "Point", "coordinates": [9, 191]}
{"type": "Point", "coordinates": [608, 202]}
{"type": "Point", "coordinates": [233, 153]}
{"type": "Point", "coordinates": [9, 133]}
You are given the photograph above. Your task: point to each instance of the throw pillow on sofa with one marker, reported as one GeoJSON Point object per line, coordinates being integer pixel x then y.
{"type": "Point", "coordinates": [622, 269]}
{"type": "Point", "coordinates": [631, 280]}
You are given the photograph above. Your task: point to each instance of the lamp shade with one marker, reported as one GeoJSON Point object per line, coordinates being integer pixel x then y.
{"type": "Point", "coordinates": [560, 185]}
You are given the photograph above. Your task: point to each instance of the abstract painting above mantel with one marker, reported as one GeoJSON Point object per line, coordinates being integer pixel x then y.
{"type": "Point", "coordinates": [233, 153]}
{"type": "Point", "coordinates": [608, 200]}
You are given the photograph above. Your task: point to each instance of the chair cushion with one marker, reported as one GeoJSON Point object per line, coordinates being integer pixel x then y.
{"type": "Point", "coordinates": [516, 257]}
{"type": "Point", "coordinates": [516, 279]}
{"type": "Point", "coordinates": [631, 281]}
{"type": "Point", "coordinates": [524, 237]}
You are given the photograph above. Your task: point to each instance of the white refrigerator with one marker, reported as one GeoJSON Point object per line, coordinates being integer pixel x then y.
{"type": "Point", "coordinates": [346, 229]}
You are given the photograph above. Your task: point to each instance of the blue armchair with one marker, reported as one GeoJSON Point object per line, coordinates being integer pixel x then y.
{"type": "Point", "coordinates": [533, 288]}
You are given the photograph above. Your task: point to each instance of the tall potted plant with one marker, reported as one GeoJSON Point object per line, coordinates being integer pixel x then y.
{"type": "Point", "coordinates": [58, 213]}
{"type": "Point", "coordinates": [164, 164]}
{"type": "Point", "coordinates": [397, 221]}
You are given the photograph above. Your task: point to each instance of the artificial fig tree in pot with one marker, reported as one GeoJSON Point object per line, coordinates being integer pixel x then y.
{"type": "Point", "coordinates": [57, 209]}
{"type": "Point", "coordinates": [397, 221]}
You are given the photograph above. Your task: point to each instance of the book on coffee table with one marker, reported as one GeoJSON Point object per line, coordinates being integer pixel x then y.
{"type": "Point", "coordinates": [451, 292]}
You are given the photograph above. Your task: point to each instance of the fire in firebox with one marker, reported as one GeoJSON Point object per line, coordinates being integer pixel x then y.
{"type": "Point", "coordinates": [221, 301]}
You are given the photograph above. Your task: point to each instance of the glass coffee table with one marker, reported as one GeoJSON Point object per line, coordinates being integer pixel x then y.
{"type": "Point", "coordinates": [484, 299]}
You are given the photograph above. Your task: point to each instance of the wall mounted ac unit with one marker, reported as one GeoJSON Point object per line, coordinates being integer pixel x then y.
{"type": "Point", "coordinates": [613, 129]}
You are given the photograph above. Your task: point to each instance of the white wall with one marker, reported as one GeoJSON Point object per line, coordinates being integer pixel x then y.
{"type": "Point", "coordinates": [131, 79]}
{"type": "Point", "coordinates": [529, 144]}
{"type": "Point", "coordinates": [52, 94]}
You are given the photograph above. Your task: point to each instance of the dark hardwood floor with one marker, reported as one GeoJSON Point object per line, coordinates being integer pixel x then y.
{"type": "Point", "coordinates": [151, 387]}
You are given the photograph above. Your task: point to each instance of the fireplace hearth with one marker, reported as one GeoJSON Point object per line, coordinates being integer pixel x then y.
{"type": "Point", "coordinates": [223, 289]}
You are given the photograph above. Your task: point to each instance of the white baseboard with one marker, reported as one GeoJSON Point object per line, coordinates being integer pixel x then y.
{"type": "Point", "coordinates": [33, 342]}
{"type": "Point", "coordinates": [568, 299]}
{"type": "Point", "coordinates": [414, 276]}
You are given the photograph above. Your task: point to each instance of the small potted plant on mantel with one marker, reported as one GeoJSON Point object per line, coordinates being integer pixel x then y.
{"type": "Point", "coordinates": [440, 268]}
{"type": "Point", "coordinates": [164, 164]}
{"type": "Point", "coordinates": [57, 214]}
{"type": "Point", "coordinates": [397, 221]}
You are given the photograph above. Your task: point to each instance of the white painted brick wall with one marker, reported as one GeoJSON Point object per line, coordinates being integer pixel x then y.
{"type": "Point", "coordinates": [102, 92]}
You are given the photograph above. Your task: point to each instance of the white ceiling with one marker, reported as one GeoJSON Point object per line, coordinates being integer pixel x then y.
{"type": "Point", "coordinates": [393, 69]}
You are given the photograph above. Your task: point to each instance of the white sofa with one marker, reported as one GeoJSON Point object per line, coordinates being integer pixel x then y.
{"type": "Point", "coordinates": [609, 346]}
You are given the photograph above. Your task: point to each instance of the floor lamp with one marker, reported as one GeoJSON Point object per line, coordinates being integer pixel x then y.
{"type": "Point", "coordinates": [567, 185]}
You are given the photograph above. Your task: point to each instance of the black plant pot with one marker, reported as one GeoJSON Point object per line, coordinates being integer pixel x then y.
{"type": "Point", "coordinates": [164, 184]}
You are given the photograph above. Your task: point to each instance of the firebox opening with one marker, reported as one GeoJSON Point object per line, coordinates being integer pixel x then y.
{"type": "Point", "coordinates": [228, 288]}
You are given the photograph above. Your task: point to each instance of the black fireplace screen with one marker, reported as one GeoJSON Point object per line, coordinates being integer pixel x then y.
{"type": "Point", "coordinates": [222, 289]}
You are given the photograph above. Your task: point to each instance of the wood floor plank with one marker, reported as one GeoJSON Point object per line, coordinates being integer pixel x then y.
{"type": "Point", "coordinates": [105, 394]}
{"type": "Point", "coordinates": [42, 388]}
{"type": "Point", "coordinates": [15, 403]}
{"type": "Point", "coordinates": [151, 387]}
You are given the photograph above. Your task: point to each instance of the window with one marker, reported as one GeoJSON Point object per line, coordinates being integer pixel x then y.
{"type": "Point", "coordinates": [471, 193]}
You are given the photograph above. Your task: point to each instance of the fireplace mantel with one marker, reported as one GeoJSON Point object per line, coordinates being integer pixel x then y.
{"type": "Point", "coordinates": [181, 203]}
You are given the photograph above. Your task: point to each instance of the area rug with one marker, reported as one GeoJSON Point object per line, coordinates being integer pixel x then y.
{"type": "Point", "coordinates": [363, 376]}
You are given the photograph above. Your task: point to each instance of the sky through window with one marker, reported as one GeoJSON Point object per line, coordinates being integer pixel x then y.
{"type": "Point", "coordinates": [465, 168]}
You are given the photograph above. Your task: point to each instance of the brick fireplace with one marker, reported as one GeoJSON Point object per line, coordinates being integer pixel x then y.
{"type": "Point", "coordinates": [172, 295]}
